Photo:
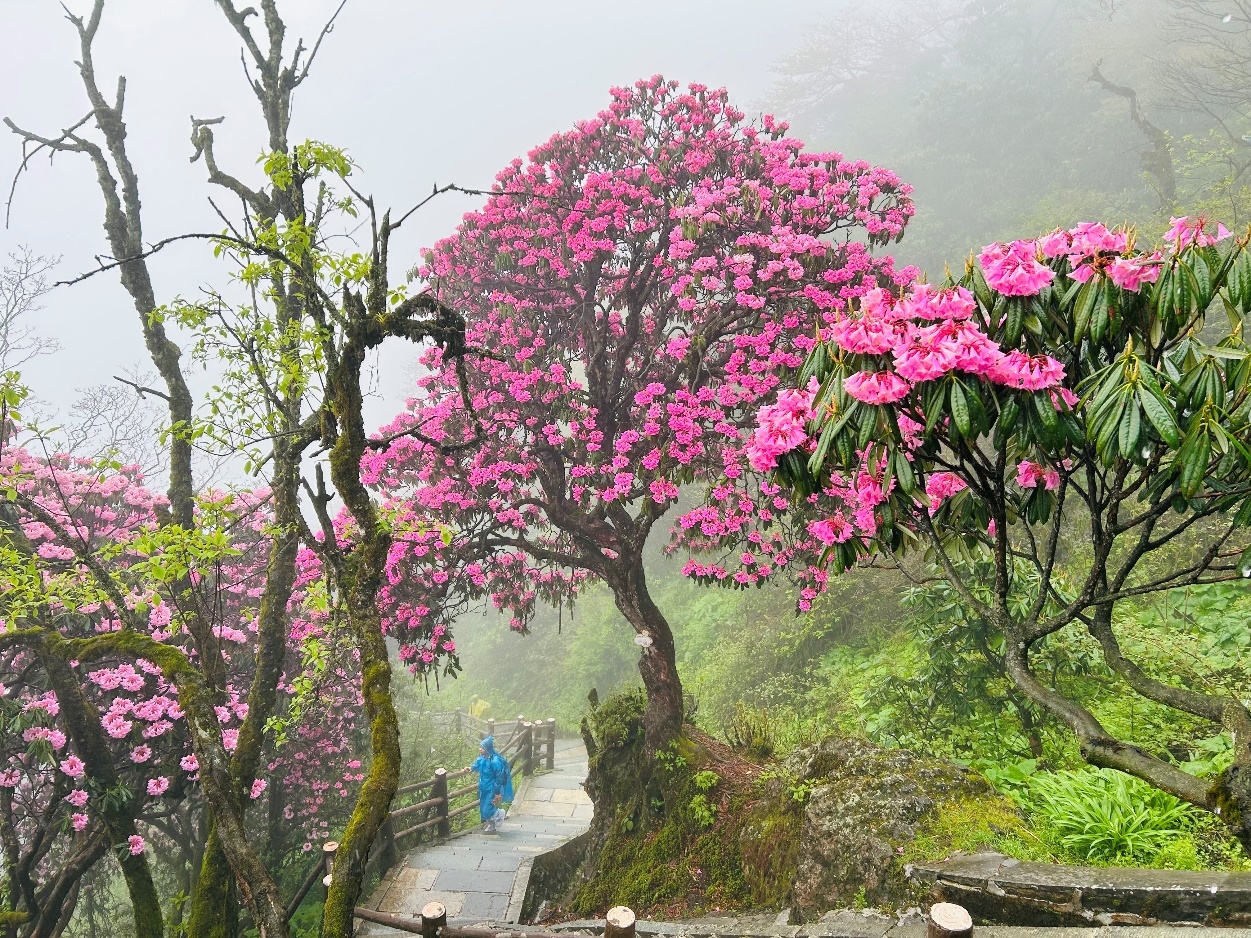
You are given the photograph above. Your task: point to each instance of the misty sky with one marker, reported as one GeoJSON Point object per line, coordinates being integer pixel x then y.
{"type": "Point", "coordinates": [419, 92]}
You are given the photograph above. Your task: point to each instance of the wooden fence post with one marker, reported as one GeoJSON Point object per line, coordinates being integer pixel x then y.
{"type": "Point", "coordinates": [551, 743]}
{"type": "Point", "coordinates": [440, 791]}
{"type": "Point", "coordinates": [387, 856]}
{"type": "Point", "coordinates": [490, 727]}
{"type": "Point", "coordinates": [433, 917]}
{"type": "Point", "coordinates": [619, 923]}
{"type": "Point", "coordinates": [527, 749]}
{"type": "Point", "coordinates": [327, 852]}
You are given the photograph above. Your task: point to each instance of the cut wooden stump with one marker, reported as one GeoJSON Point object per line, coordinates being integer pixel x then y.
{"type": "Point", "coordinates": [619, 923]}
{"type": "Point", "coordinates": [948, 920]}
{"type": "Point", "coordinates": [433, 917]}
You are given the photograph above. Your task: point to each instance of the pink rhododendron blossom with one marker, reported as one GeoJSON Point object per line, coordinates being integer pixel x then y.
{"type": "Point", "coordinates": [158, 786]}
{"type": "Point", "coordinates": [1131, 273]}
{"type": "Point", "coordinates": [1014, 269]}
{"type": "Point", "coordinates": [1186, 232]}
{"type": "Point", "coordinates": [73, 767]}
{"type": "Point", "coordinates": [136, 844]}
{"type": "Point", "coordinates": [189, 763]}
{"type": "Point", "coordinates": [1030, 372]}
{"type": "Point", "coordinates": [876, 387]}
{"type": "Point", "coordinates": [78, 821]}
{"type": "Point", "coordinates": [1030, 474]}
{"type": "Point", "coordinates": [77, 797]}
{"type": "Point", "coordinates": [258, 788]}
{"type": "Point", "coordinates": [940, 486]}
{"type": "Point", "coordinates": [141, 754]}
{"type": "Point", "coordinates": [833, 530]}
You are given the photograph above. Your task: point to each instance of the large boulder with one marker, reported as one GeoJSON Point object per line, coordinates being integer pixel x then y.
{"type": "Point", "coordinates": [864, 807]}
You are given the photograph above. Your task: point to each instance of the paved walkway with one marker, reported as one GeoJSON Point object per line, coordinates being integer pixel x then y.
{"type": "Point", "coordinates": [482, 877]}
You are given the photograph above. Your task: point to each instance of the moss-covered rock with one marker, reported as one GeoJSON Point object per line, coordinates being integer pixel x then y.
{"type": "Point", "coordinates": [864, 807]}
{"type": "Point", "coordinates": [698, 829]}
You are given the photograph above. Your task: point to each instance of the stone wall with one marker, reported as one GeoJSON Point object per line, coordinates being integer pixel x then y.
{"type": "Point", "coordinates": [995, 888]}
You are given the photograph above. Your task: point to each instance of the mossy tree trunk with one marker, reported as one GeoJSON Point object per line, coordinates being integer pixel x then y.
{"type": "Point", "coordinates": [658, 666]}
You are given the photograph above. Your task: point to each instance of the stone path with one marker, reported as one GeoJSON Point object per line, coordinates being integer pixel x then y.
{"type": "Point", "coordinates": [482, 877]}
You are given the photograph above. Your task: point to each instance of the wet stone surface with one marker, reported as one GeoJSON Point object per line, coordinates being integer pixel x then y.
{"type": "Point", "coordinates": [996, 888]}
{"type": "Point", "coordinates": [481, 878]}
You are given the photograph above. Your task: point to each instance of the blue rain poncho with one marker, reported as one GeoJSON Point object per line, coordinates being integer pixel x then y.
{"type": "Point", "coordinates": [494, 778]}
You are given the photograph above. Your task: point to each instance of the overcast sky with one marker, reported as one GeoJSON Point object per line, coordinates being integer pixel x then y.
{"type": "Point", "coordinates": [419, 92]}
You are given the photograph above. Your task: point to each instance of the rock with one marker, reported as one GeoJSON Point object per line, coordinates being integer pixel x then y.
{"type": "Point", "coordinates": [865, 803]}
{"type": "Point", "coordinates": [913, 915]}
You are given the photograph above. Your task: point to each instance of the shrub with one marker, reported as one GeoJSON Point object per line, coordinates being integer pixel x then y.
{"type": "Point", "coordinates": [1105, 816]}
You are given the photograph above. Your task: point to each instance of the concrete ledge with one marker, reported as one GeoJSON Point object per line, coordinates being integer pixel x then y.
{"type": "Point", "coordinates": [818, 930]}
{"type": "Point", "coordinates": [1000, 889]}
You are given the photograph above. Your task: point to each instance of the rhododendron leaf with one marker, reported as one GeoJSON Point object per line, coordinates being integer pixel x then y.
{"type": "Point", "coordinates": [1159, 414]}
{"type": "Point", "coordinates": [1013, 324]}
{"type": "Point", "coordinates": [828, 433]}
{"type": "Point", "coordinates": [903, 472]}
{"type": "Point", "coordinates": [1129, 429]}
{"type": "Point", "coordinates": [1086, 298]}
{"type": "Point", "coordinates": [1243, 518]}
{"type": "Point", "coordinates": [934, 410]}
{"type": "Point", "coordinates": [1201, 279]}
{"type": "Point", "coordinates": [867, 428]}
{"type": "Point", "coordinates": [1046, 412]}
{"type": "Point", "coordinates": [981, 290]}
{"type": "Point", "coordinates": [959, 409]}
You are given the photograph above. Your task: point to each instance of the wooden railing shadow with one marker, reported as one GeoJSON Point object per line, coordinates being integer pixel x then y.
{"type": "Point", "coordinates": [528, 746]}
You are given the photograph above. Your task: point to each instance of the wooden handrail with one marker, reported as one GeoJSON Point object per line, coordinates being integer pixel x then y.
{"type": "Point", "coordinates": [432, 923]}
{"type": "Point", "coordinates": [526, 742]}
{"type": "Point", "coordinates": [453, 795]}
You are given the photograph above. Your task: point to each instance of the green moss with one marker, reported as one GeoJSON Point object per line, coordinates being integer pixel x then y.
{"type": "Point", "coordinates": [975, 825]}
{"type": "Point", "coordinates": [671, 832]}
{"type": "Point", "coordinates": [769, 845]}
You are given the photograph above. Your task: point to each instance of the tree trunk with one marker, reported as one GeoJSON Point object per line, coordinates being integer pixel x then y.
{"type": "Point", "coordinates": [215, 909]}
{"type": "Point", "coordinates": [360, 576]}
{"type": "Point", "coordinates": [214, 902]}
{"type": "Point", "coordinates": [373, 803]}
{"type": "Point", "coordinates": [662, 723]}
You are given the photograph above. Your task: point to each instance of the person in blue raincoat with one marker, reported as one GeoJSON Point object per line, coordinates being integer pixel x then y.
{"type": "Point", "coordinates": [495, 784]}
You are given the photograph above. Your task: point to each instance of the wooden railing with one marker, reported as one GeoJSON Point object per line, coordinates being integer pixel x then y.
{"type": "Point", "coordinates": [528, 746]}
{"type": "Point", "coordinates": [432, 923]}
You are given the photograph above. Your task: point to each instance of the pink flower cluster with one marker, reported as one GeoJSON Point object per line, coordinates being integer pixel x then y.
{"type": "Point", "coordinates": [781, 427]}
{"type": "Point", "coordinates": [1014, 269]}
{"type": "Point", "coordinates": [1185, 232]}
{"type": "Point", "coordinates": [1093, 248]}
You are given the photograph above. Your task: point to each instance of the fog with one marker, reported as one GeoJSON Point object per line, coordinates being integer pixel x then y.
{"type": "Point", "coordinates": [418, 92]}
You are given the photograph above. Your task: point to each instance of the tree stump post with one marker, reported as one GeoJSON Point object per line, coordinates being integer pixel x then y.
{"type": "Point", "coordinates": [387, 856]}
{"type": "Point", "coordinates": [551, 743]}
{"type": "Point", "coordinates": [619, 923]}
{"type": "Point", "coordinates": [440, 791]}
{"type": "Point", "coordinates": [327, 858]}
{"type": "Point", "coordinates": [433, 917]}
{"type": "Point", "coordinates": [948, 920]}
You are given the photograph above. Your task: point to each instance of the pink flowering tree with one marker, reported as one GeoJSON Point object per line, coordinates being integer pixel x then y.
{"type": "Point", "coordinates": [98, 747]}
{"type": "Point", "coordinates": [634, 288]}
{"type": "Point", "coordinates": [1074, 412]}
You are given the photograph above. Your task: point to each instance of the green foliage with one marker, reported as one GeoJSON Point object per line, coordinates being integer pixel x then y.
{"type": "Point", "coordinates": [1105, 815]}
{"type": "Point", "coordinates": [975, 826]}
